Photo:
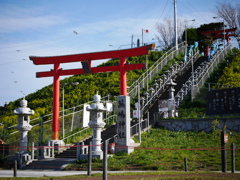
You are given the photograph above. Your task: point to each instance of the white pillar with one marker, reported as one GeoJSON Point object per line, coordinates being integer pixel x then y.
{"type": "Point", "coordinates": [175, 24]}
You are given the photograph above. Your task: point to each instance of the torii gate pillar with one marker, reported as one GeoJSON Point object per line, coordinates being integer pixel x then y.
{"type": "Point", "coordinates": [86, 59]}
{"type": "Point", "coordinates": [56, 96]}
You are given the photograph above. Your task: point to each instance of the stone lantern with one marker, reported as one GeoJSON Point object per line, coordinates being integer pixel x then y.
{"type": "Point", "coordinates": [96, 109]}
{"type": "Point", "coordinates": [23, 126]}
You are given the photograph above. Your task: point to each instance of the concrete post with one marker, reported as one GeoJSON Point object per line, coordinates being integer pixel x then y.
{"type": "Point", "coordinates": [32, 153]}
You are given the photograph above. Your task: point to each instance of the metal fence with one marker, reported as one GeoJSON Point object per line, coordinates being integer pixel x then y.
{"type": "Point", "coordinates": [213, 64]}
{"type": "Point", "coordinates": [154, 69]}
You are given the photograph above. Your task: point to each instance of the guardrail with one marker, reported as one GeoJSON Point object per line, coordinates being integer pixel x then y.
{"type": "Point", "coordinates": [154, 69]}
{"type": "Point", "coordinates": [213, 63]}
{"type": "Point", "coordinates": [85, 130]}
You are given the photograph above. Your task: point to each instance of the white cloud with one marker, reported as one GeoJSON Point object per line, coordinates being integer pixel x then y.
{"type": "Point", "coordinates": [14, 19]}
{"type": "Point", "coordinates": [15, 24]}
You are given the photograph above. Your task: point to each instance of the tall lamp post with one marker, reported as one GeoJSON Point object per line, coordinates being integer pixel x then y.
{"type": "Point", "coordinates": [192, 58]}
{"type": "Point", "coordinates": [63, 92]}
{"type": "Point", "coordinates": [223, 30]}
{"type": "Point", "coordinates": [186, 29]}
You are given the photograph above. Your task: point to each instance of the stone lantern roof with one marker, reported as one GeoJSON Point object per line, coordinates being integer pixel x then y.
{"type": "Point", "coordinates": [23, 109]}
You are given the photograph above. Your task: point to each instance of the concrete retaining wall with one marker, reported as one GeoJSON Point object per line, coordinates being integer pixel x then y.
{"type": "Point", "coordinates": [231, 124]}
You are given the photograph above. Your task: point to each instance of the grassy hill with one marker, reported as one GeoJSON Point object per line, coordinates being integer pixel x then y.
{"type": "Point", "coordinates": [165, 150]}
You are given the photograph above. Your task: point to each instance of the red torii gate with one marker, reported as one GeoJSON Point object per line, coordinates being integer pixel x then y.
{"type": "Point", "coordinates": [86, 59]}
{"type": "Point", "coordinates": [216, 34]}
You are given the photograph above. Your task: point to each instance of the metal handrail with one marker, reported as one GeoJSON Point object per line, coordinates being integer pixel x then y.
{"type": "Point", "coordinates": [85, 129]}
{"type": "Point", "coordinates": [162, 61]}
{"type": "Point", "coordinates": [153, 98]}
{"type": "Point", "coordinates": [215, 61]}
{"type": "Point", "coordinates": [199, 82]}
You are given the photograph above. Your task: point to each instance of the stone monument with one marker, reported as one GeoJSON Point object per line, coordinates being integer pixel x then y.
{"type": "Point", "coordinates": [124, 141]}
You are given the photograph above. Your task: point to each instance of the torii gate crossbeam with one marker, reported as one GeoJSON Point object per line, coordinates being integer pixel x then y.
{"type": "Point", "coordinates": [86, 59]}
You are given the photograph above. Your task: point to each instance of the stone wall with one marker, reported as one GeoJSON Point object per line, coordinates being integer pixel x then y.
{"type": "Point", "coordinates": [231, 124]}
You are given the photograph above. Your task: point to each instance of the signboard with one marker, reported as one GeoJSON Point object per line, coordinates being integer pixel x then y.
{"type": "Point", "coordinates": [171, 104]}
{"type": "Point", "coordinates": [166, 105]}
{"type": "Point", "coordinates": [225, 138]}
{"type": "Point", "coordinates": [135, 114]}
{"type": "Point", "coordinates": [163, 105]}
{"type": "Point", "coordinates": [223, 101]}
{"type": "Point", "coordinates": [109, 107]}
{"type": "Point", "coordinates": [86, 116]}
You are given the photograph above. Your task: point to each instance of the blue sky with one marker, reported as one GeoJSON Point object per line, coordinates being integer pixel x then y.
{"type": "Point", "coordinates": [45, 28]}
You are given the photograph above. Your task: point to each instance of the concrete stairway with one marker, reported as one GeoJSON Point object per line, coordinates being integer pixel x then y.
{"type": "Point", "coordinates": [49, 164]}
{"type": "Point", "coordinates": [180, 79]}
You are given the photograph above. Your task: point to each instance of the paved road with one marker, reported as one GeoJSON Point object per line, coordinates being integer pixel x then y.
{"type": "Point", "coordinates": [49, 173]}
{"type": "Point", "coordinates": [41, 173]}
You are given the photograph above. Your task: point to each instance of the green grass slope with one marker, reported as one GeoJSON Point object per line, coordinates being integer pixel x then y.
{"type": "Point", "coordinates": [165, 150]}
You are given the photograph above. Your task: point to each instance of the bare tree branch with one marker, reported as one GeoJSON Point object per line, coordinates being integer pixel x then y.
{"type": "Point", "coordinates": [165, 30]}
{"type": "Point", "coordinates": [230, 14]}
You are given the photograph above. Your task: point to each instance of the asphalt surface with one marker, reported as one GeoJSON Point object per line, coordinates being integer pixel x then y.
{"type": "Point", "coordinates": [41, 173]}
{"type": "Point", "coordinates": [50, 173]}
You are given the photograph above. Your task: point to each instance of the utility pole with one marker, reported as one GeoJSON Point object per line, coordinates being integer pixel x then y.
{"type": "Point", "coordinates": [132, 42]}
{"type": "Point", "coordinates": [175, 24]}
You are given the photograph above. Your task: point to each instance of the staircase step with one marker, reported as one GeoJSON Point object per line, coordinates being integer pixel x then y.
{"type": "Point", "coordinates": [49, 164]}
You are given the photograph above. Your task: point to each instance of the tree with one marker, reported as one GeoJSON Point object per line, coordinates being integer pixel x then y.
{"type": "Point", "coordinates": [231, 15]}
{"type": "Point", "coordinates": [192, 35]}
{"type": "Point", "coordinates": [166, 32]}
{"type": "Point", "coordinates": [206, 39]}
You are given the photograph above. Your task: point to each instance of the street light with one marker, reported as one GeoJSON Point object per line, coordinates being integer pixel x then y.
{"type": "Point", "coordinates": [191, 57]}
{"type": "Point", "coordinates": [223, 30]}
{"type": "Point", "coordinates": [186, 29]}
{"type": "Point", "coordinates": [74, 83]}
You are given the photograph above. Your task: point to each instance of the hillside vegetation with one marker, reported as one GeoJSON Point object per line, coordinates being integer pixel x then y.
{"type": "Point", "coordinates": [165, 150]}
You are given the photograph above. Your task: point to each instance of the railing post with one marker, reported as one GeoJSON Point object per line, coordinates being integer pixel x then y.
{"type": "Point", "coordinates": [32, 153]}
{"type": "Point", "coordinates": [233, 157]}
{"type": "Point", "coordinates": [52, 149]}
{"type": "Point", "coordinates": [78, 150]}
{"type": "Point", "coordinates": [223, 153]}
{"type": "Point", "coordinates": [185, 164]}
{"type": "Point", "coordinates": [49, 150]}
{"type": "Point", "coordinates": [148, 121]}
{"type": "Point", "coordinates": [15, 169]}
{"type": "Point", "coordinates": [90, 159]}
{"type": "Point", "coordinates": [105, 165]}
{"type": "Point", "coordinates": [37, 152]}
